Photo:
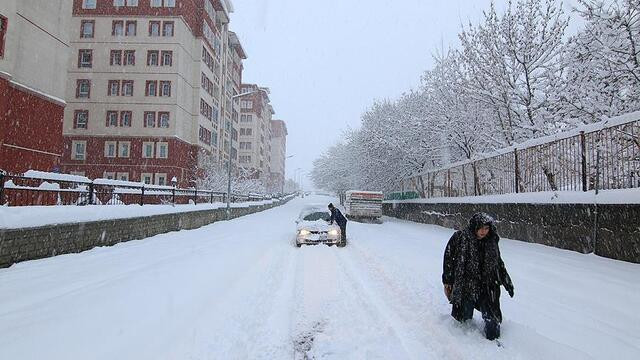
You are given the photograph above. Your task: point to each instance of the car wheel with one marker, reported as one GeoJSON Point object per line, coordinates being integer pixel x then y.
{"type": "Point", "coordinates": [298, 245]}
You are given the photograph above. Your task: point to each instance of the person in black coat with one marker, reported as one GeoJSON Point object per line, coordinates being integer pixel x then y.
{"type": "Point", "coordinates": [473, 272]}
{"type": "Point", "coordinates": [337, 216]}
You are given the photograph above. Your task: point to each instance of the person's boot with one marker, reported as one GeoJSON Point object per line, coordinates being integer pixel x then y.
{"type": "Point", "coordinates": [492, 329]}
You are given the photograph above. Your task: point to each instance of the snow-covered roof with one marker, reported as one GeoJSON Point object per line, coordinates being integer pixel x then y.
{"type": "Point", "coordinates": [364, 192]}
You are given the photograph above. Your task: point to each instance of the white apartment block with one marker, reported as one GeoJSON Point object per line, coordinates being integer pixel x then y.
{"type": "Point", "coordinates": [255, 131]}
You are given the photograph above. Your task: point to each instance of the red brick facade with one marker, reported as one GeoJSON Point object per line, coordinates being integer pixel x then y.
{"type": "Point", "coordinates": [30, 130]}
{"type": "Point", "coordinates": [181, 161]}
{"type": "Point", "coordinates": [192, 11]}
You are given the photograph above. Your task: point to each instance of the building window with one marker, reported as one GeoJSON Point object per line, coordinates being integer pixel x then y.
{"type": "Point", "coordinates": [130, 57]}
{"type": "Point", "coordinates": [246, 104]}
{"type": "Point", "coordinates": [80, 119]}
{"type": "Point", "coordinates": [214, 114]}
{"type": "Point", "coordinates": [83, 88]}
{"type": "Point", "coordinates": [113, 88]}
{"type": "Point", "coordinates": [127, 87]}
{"type": "Point", "coordinates": [4, 23]}
{"type": "Point", "coordinates": [205, 109]}
{"type": "Point", "coordinates": [126, 118]}
{"type": "Point", "coordinates": [152, 58]}
{"type": "Point", "coordinates": [118, 2]}
{"type": "Point", "coordinates": [151, 89]}
{"type": "Point", "coordinates": [79, 150]}
{"type": "Point", "coordinates": [167, 28]}
{"type": "Point", "coordinates": [159, 3]}
{"type": "Point", "coordinates": [85, 58]}
{"type": "Point", "coordinates": [117, 28]}
{"type": "Point", "coordinates": [86, 28]}
{"type": "Point", "coordinates": [131, 28]}
{"type": "Point", "coordinates": [154, 28]}
{"type": "Point", "coordinates": [123, 149]}
{"type": "Point", "coordinates": [123, 176]}
{"type": "Point", "coordinates": [161, 179]}
{"type": "Point", "coordinates": [88, 4]}
{"type": "Point", "coordinates": [165, 88]}
{"type": "Point", "coordinates": [163, 119]}
{"type": "Point", "coordinates": [132, 3]}
{"type": "Point", "coordinates": [109, 149]}
{"type": "Point", "coordinates": [162, 150]}
{"type": "Point", "coordinates": [149, 119]}
{"type": "Point", "coordinates": [115, 57]}
{"type": "Point", "coordinates": [246, 118]}
{"type": "Point", "coordinates": [146, 178]}
{"type": "Point", "coordinates": [112, 119]}
{"type": "Point", "coordinates": [109, 175]}
{"type": "Point", "coordinates": [167, 58]}
{"type": "Point", "coordinates": [205, 135]}
{"type": "Point", "coordinates": [147, 149]}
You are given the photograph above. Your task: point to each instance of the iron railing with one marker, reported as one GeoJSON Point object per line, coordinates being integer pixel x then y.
{"type": "Point", "coordinates": [19, 190]}
{"type": "Point", "coordinates": [600, 156]}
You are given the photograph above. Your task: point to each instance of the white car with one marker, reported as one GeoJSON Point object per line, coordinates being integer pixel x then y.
{"type": "Point", "coordinates": [313, 227]}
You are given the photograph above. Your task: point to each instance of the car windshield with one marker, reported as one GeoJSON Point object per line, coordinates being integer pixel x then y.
{"type": "Point", "coordinates": [315, 216]}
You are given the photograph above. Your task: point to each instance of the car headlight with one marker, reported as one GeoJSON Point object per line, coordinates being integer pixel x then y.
{"type": "Point", "coordinates": [304, 232]}
{"type": "Point", "coordinates": [333, 232]}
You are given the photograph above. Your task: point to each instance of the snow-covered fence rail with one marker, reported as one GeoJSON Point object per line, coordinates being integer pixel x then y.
{"type": "Point", "coordinates": [600, 156]}
{"type": "Point", "coordinates": [41, 188]}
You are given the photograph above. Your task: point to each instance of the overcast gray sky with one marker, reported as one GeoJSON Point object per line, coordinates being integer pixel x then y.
{"type": "Point", "coordinates": [327, 61]}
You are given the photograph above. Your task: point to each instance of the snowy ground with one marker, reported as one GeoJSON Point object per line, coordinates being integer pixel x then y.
{"type": "Point", "coordinates": [241, 290]}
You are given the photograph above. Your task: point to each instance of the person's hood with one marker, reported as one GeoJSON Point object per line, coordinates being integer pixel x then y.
{"type": "Point", "coordinates": [481, 219]}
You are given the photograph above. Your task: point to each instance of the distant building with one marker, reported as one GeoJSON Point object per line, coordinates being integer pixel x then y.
{"type": "Point", "coordinates": [34, 51]}
{"type": "Point", "coordinates": [150, 90]}
{"type": "Point", "coordinates": [255, 131]}
{"type": "Point", "coordinates": [278, 155]}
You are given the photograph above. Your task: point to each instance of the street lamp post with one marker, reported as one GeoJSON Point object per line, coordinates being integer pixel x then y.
{"type": "Point", "coordinates": [233, 98]}
{"type": "Point", "coordinates": [283, 175]}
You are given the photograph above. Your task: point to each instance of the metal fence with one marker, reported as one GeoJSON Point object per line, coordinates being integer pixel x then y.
{"type": "Point", "coordinates": [600, 156]}
{"type": "Point", "coordinates": [17, 190]}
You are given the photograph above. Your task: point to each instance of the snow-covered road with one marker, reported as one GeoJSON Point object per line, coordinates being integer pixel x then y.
{"type": "Point", "coordinates": [241, 290]}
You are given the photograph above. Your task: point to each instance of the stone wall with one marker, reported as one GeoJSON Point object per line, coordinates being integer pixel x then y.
{"type": "Point", "coordinates": [39, 242]}
{"type": "Point", "coordinates": [609, 230]}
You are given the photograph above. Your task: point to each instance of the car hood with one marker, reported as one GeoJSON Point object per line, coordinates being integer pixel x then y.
{"type": "Point", "coordinates": [318, 225]}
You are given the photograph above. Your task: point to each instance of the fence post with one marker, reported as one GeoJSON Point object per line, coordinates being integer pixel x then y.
{"type": "Point", "coordinates": [142, 196]}
{"type": "Point", "coordinates": [195, 197]}
{"type": "Point", "coordinates": [211, 197]}
{"type": "Point", "coordinates": [173, 195]}
{"type": "Point", "coordinates": [517, 170]}
{"type": "Point", "coordinates": [583, 147]}
{"type": "Point", "coordinates": [91, 191]}
{"type": "Point", "coordinates": [1, 187]}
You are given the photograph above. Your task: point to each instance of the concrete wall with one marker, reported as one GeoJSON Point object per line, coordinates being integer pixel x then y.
{"type": "Point", "coordinates": [18, 245]}
{"type": "Point", "coordinates": [609, 230]}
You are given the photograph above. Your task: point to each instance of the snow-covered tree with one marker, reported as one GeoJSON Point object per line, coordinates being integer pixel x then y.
{"type": "Point", "coordinates": [602, 62]}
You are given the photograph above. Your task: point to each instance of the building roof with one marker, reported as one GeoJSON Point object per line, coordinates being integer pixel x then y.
{"type": "Point", "coordinates": [235, 42]}
{"type": "Point", "coordinates": [280, 125]}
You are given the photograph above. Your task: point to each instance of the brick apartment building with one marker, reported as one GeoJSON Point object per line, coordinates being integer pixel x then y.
{"type": "Point", "coordinates": [32, 82]}
{"type": "Point", "coordinates": [150, 88]}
